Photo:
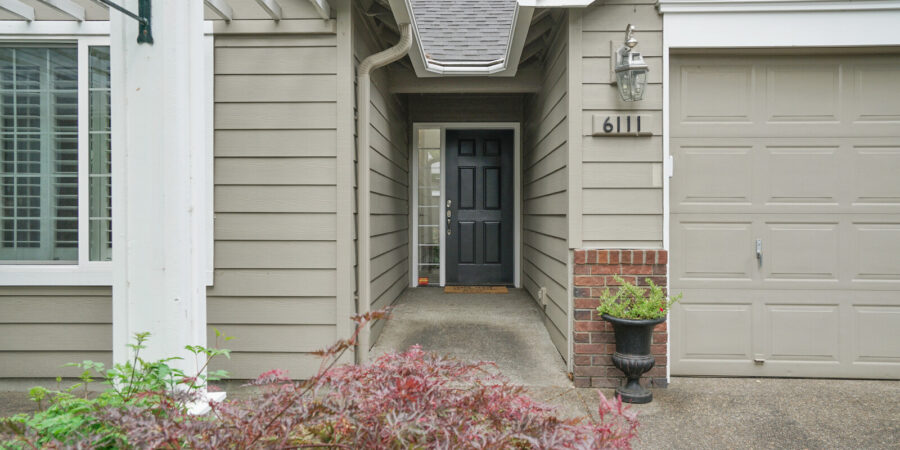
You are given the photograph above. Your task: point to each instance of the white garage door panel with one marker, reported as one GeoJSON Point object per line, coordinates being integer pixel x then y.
{"type": "Point", "coordinates": [789, 175]}
{"type": "Point", "coordinates": [799, 251]}
{"type": "Point", "coordinates": [785, 96]}
{"type": "Point", "coordinates": [799, 333]}
{"type": "Point", "coordinates": [803, 154]}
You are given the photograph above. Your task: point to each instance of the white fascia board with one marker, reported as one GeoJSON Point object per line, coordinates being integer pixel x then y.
{"type": "Point", "coordinates": [556, 3]}
{"type": "Point", "coordinates": [44, 28]}
{"type": "Point", "coordinates": [426, 68]}
{"type": "Point", "coordinates": [221, 8]}
{"type": "Point", "coordinates": [783, 29]}
{"type": "Point", "coordinates": [18, 8]}
{"type": "Point", "coordinates": [67, 7]}
{"type": "Point", "coordinates": [322, 8]}
{"type": "Point", "coordinates": [710, 6]}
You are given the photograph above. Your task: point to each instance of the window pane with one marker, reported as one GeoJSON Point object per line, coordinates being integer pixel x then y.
{"type": "Point", "coordinates": [38, 154]}
{"type": "Point", "coordinates": [100, 192]}
{"type": "Point", "coordinates": [429, 204]}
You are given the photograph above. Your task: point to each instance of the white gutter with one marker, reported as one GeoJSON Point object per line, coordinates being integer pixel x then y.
{"type": "Point", "coordinates": [363, 100]}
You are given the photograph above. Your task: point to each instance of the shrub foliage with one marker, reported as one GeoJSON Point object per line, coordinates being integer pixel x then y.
{"type": "Point", "coordinates": [635, 302]}
{"type": "Point", "coordinates": [412, 399]}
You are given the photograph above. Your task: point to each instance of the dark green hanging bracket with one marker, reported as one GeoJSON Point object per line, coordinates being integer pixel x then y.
{"type": "Point", "coordinates": [145, 36]}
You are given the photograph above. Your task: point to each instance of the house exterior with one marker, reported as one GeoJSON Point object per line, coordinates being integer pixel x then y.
{"type": "Point", "coordinates": [763, 183]}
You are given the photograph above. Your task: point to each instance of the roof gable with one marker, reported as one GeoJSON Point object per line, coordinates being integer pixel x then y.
{"type": "Point", "coordinates": [474, 31]}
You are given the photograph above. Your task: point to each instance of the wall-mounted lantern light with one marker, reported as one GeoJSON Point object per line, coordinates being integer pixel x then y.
{"type": "Point", "coordinates": [630, 69]}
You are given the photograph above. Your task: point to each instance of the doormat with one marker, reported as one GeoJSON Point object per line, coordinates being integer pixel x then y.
{"type": "Point", "coordinates": [475, 290]}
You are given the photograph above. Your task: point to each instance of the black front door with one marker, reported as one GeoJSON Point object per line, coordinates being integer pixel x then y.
{"type": "Point", "coordinates": [480, 207]}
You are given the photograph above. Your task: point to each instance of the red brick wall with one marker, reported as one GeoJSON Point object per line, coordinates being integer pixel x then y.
{"type": "Point", "coordinates": [594, 339]}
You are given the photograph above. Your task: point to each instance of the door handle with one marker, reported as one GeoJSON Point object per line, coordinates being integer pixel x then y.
{"type": "Point", "coordinates": [759, 251]}
{"type": "Point", "coordinates": [449, 215]}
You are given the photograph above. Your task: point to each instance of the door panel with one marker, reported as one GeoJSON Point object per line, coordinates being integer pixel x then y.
{"type": "Point", "coordinates": [800, 154]}
{"type": "Point", "coordinates": [480, 197]}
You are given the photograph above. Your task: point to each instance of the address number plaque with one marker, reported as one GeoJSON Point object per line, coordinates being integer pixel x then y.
{"type": "Point", "coordinates": [622, 125]}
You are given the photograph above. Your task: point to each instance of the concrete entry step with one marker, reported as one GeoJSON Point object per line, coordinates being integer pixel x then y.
{"type": "Point", "coordinates": [506, 329]}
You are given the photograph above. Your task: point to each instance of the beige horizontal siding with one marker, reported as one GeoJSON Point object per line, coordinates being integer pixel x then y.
{"type": "Point", "coordinates": [621, 178]}
{"type": "Point", "coordinates": [275, 262]}
{"type": "Point", "coordinates": [545, 191]}
{"type": "Point", "coordinates": [389, 181]}
{"type": "Point", "coordinates": [43, 328]}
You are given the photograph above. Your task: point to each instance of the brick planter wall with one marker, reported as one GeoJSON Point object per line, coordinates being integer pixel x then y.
{"type": "Point", "coordinates": [594, 338]}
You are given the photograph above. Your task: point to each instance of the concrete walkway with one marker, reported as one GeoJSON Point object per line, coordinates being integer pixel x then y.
{"type": "Point", "coordinates": [693, 413]}
{"type": "Point", "coordinates": [504, 328]}
{"type": "Point", "coordinates": [746, 413]}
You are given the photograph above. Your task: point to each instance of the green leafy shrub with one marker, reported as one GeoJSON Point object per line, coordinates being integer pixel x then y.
{"type": "Point", "coordinates": [412, 399]}
{"type": "Point", "coordinates": [635, 302]}
{"type": "Point", "coordinates": [76, 417]}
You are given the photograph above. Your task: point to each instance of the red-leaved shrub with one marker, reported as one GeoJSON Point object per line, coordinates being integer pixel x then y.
{"type": "Point", "coordinates": [407, 400]}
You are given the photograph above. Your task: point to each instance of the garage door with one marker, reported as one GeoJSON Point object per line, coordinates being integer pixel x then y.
{"type": "Point", "coordinates": [785, 216]}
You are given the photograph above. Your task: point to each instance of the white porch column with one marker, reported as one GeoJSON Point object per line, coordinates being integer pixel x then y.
{"type": "Point", "coordinates": [158, 172]}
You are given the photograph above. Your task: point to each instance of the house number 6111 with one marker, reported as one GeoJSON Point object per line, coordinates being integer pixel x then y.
{"type": "Point", "coordinates": [621, 125]}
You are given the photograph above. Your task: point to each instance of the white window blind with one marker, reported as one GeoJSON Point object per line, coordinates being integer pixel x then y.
{"type": "Point", "coordinates": [39, 154]}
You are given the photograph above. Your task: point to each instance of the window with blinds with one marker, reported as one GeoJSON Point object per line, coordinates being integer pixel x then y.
{"type": "Point", "coordinates": [39, 146]}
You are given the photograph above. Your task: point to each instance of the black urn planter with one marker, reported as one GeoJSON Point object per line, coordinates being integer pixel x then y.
{"type": "Point", "coordinates": [633, 355]}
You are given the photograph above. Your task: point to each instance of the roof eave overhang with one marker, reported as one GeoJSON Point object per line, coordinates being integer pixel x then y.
{"type": "Point", "coordinates": [506, 67]}
{"type": "Point", "coordinates": [556, 3]}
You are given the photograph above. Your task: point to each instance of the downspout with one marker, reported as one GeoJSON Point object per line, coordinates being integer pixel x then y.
{"type": "Point", "coordinates": [364, 251]}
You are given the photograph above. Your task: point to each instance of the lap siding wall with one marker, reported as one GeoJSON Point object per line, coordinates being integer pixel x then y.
{"type": "Point", "coordinates": [389, 189]}
{"type": "Point", "coordinates": [545, 178]}
{"type": "Point", "coordinates": [275, 286]}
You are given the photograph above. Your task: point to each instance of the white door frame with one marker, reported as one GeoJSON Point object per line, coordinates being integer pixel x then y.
{"type": "Point", "coordinates": [414, 193]}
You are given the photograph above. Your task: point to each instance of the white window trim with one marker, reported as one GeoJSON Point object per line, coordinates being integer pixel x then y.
{"type": "Point", "coordinates": [85, 272]}
{"type": "Point", "coordinates": [414, 194]}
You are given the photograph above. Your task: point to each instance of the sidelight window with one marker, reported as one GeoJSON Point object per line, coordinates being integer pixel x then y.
{"type": "Point", "coordinates": [429, 205]}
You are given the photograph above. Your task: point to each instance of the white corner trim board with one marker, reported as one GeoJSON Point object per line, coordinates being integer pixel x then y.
{"type": "Point", "coordinates": [18, 8]}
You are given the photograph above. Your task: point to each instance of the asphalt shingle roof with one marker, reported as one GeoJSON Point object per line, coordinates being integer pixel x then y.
{"type": "Point", "coordinates": [464, 30]}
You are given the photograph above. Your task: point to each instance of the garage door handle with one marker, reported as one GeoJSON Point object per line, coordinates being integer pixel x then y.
{"type": "Point", "coordinates": [759, 251]}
